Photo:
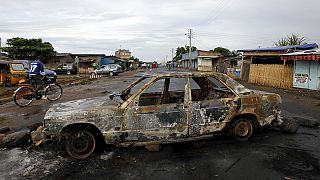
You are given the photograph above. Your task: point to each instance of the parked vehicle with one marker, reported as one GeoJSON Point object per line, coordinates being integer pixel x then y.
{"type": "Point", "coordinates": [110, 69]}
{"type": "Point", "coordinates": [67, 68]}
{"type": "Point", "coordinates": [163, 108]}
{"type": "Point", "coordinates": [11, 72]}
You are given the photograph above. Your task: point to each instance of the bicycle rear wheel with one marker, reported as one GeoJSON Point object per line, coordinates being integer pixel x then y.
{"type": "Point", "coordinates": [23, 96]}
{"type": "Point", "coordinates": [53, 92]}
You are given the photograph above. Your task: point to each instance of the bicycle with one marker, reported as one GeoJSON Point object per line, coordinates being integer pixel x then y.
{"type": "Point", "coordinates": [26, 93]}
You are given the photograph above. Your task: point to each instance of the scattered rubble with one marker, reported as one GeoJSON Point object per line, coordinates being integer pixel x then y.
{"type": "Point", "coordinates": [307, 122]}
{"type": "Point", "coordinates": [38, 137]}
{"type": "Point", "coordinates": [16, 138]}
{"type": "Point", "coordinates": [4, 130]}
{"type": "Point", "coordinates": [153, 147]}
{"type": "Point", "coordinates": [107, 156]}
{"type": "Point", "coordinates": [289, 125]}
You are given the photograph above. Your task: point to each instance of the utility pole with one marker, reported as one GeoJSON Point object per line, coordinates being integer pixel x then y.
{"type": "Point", "coordinates": [172, 53]}
{"type": "Point", "coordinates": [189, 36]}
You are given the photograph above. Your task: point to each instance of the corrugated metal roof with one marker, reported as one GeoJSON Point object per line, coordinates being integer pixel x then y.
{"type": "Point", "coordinates": [307, 52]}
{"type": "Point", "coordinates": [282, 48]}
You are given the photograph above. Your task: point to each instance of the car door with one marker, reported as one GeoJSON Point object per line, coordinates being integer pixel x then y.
{"type": "Point", "coordinates": [158, 113]}
{"type": "Point", "coordinates": [211, 105]}
{"type": "Point", "coordinates": [102, 70]}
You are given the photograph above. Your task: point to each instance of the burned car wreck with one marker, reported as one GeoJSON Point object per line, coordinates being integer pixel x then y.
{"type": "Point", "coordinates": [160, 109]}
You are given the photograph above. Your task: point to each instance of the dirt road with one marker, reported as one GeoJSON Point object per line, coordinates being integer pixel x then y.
{"type": "Point", "coordinates": [268, 155]}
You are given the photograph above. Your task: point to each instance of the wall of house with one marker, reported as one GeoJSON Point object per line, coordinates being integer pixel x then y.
{"type": "Point", "coordinates": [307, 74]}
{"type": "Point", "coordinates": [206, 64]}
{"type": "Point", "coordinates": [274, 75]}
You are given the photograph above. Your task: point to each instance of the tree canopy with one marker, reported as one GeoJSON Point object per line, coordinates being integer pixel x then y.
{"type": "Point", "coordinates": [223, 51]}
{"type": "Point", "coordinates": [291, 40]}
{"type": "Point", "coordinates": [182, 50]}
{"type": "Point", "coordinates": [28, 48]}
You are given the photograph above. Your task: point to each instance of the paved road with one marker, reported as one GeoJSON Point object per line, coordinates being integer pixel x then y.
{"type": "Point", "coordinates": [268, 155]}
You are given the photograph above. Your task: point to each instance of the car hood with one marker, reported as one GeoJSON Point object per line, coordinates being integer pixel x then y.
{"type": "Point", "coordinates": [84, 110]}
{"type": "Point", "coordinates": [49, 72]}
{"type": "Point", "coordinates": [46, 71]}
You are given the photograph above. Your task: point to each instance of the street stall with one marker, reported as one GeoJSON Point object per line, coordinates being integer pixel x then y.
{"type": "Point", "coordinates": [306, 67]}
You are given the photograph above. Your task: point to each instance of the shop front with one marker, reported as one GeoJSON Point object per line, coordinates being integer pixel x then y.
{"type": "Point", "coordinates": [306, 68]}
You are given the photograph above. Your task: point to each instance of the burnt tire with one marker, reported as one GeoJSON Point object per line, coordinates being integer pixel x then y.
{"type": "Point", "coordinates": [80, 144]}
{"type": "Point", "coordinates": [289, 125]}
{"type": "Point", "coordinates": [241, 129]}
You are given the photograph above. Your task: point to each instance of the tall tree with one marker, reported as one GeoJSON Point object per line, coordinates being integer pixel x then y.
{"type": "Point", "coordinates": [183, 50]}
{"type": "Point", "coordinates": [223, 51]}
{"type": "Point", "coordinates": [18, 48]}
{"type": "Point", "coordinates": [291, 40]}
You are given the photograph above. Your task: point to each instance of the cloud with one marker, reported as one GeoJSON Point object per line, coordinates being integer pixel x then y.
{"type": "Point", "coordinates": [150, 29]}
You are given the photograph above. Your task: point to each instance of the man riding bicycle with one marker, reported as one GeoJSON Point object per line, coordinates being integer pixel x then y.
{"type": "Point", "coordinates": [37, 73]}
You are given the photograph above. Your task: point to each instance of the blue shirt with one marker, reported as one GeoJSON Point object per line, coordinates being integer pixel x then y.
{"type": "Point", "coordinates": [36, 68]}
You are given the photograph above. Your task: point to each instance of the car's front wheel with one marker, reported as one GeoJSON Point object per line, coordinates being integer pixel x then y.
{"type": "Point", "coordinates": [80, 144]}
{"type": "Point", "coordinates": [111, 73]}
{"type": "Point", "coordinates": [241, 129]}
{"type": "Point", "coordinates": [68, 72]}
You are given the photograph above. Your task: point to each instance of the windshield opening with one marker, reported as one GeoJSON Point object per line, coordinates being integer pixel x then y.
{"type": "Point", "coordinates": [17, 67]}
{"type": "Point", "coordinates": [134, 87]}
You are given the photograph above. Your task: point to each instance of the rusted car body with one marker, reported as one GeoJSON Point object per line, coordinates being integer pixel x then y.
{"type": "Point", "coordinates": [162, 108]}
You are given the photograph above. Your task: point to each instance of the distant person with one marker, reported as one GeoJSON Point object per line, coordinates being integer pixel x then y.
{"type": "Point", "coordinates": [37, 72]}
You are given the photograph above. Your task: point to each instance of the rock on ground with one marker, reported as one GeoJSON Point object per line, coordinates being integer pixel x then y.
{"type": "Point", "coordinates": [17, 138]}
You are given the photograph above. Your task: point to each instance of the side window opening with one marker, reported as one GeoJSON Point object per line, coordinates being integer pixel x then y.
{"type": "Point", "coordinates": [164, 91]}
{"type": "Point", "coordinates": [152, 95]}
{"type": "Point", "coordinates": [197, 89]}
{"type": "Point", "coordinates": [218, 90]}
{"type": "Point", "coordinates": [174, 94]}
{"type": "Point", "coordinates": [210, 88]}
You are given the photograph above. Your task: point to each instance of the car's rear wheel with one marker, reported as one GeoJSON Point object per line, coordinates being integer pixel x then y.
{"type": "Point", "coordinates": [80, 144]}
{"type": "Point", "coordinates": [241, 129]}
{"type": "Point", "coordinates": [111, 73]}
{"type": "Point", "coordinates": [68, 72]}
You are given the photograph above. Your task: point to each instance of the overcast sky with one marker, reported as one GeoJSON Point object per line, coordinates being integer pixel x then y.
{"type": "Point", "coordinates": [151, 28]}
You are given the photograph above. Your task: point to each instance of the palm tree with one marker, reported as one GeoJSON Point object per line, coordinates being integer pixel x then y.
{"type": "Point", "coordinates": [291, 40]}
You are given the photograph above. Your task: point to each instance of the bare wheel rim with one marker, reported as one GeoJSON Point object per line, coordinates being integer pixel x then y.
{"type": "Point", "coordinates": [23, 97]}
{"type": "Point", "coordinates": [81, 144]}
{"type": "Point", "coordinates": [242, 129]}
{"type": "Point", "coordinates": [53, 92]}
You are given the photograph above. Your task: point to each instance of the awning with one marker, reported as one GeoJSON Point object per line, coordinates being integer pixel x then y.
{"type": "Point", "coordinates": [310, 55]}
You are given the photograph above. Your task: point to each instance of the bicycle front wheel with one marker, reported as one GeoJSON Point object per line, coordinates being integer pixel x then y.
{"type": "Point", "coordinates": [23, 96]}
{"type": "Point", "coordinates": [53, 92]}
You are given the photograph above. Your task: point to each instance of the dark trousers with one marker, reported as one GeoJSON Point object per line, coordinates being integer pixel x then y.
{"type": "Point", "coordinates": [39, 81]}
